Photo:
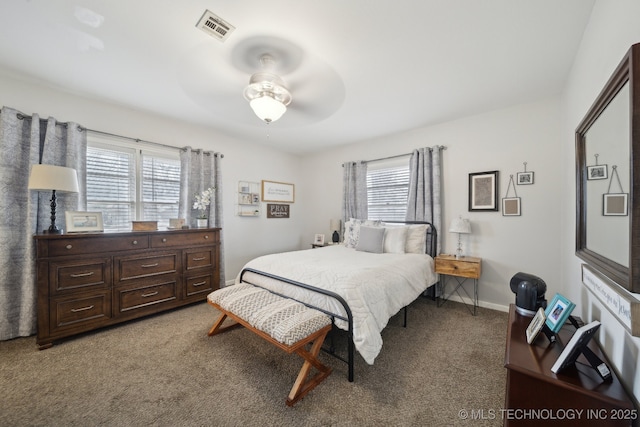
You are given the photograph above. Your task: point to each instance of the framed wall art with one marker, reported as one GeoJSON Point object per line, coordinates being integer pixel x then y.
{"type": "Point", "coordinates": [511, 206]}
{"type": "Point", "coordinates": [483, 191]}
{"type": "Point", "coordinates": [615, 204]}
{"type": "Point", "coordinates": [597, 172]}
{"type": "Point", "coordinates": [281, 192]}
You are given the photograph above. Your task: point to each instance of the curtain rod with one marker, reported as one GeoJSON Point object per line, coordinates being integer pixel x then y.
{"type": "Point", "coordinates": [143, 141]}
{"type": "Point", "coordinates": [443, 147]}
{"type": "Point", "coordinates": [23, 116]}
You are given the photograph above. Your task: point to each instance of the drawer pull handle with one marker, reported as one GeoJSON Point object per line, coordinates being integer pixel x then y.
{"type": "Point", "coordinates": [206, 236]}
{"type": "Point", "coordinates": [90, 273]}
{"type": "Point", "coordinates": [69, 246]}
{"type": "Point", "coordinates": [149, 265]}
{"type": "Point", "coordinates": [75, 310]}
{"type": "Point", "coordinates": [135, 242]}
{"type": "Point", "coordinates": [199, 284]}
{"type": "Point", "coordinates": [199, 258]}
{"type": "Point", "coordinates": [150, 294]}
{"type": "Point", "coordinates": [164, 240]}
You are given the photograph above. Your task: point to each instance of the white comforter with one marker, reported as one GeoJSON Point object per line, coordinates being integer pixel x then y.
{"type": "Point", "coordinates": [376, 286]}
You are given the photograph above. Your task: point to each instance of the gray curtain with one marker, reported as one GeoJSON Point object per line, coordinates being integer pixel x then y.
{"type": "Point", "coordinates": [425, 189]}
{"type": "Point", "coordinates": [25, 141]}
{"type": "Point", "coordinates": [200, 170]}
{"type": "Point", "coordinates": [354, 191]}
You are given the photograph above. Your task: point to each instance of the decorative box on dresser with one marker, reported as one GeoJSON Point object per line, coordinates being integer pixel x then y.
{"type": "Point", "coordinates": [575, 396]}
{"type": "Point", "coordinates": [88, 281]}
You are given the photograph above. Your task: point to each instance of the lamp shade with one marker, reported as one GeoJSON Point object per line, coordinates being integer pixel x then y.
{"type": "Point", "coordinates": [459, 225]}
{"type": "Point", "coordinates": [334, 225]}
{"type": "Point", "coordinates": [50, 177]}
{"type": "Point", "coordinates": [267, 108]}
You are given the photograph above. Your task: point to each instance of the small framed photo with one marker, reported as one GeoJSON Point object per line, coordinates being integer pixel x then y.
{"type": "Point", "coordinates": [511, 206]}
{"type": "Point", "coordinates": [483, 190]}
{"type": "Point", "coordinates": [319, 239]}
{"type": "Point", "coordinates": [536, 325]}
{"type": "Point", "coordinates": [597, 172]}
{"type": "Point", "coordinates": [83, 222]}
{"type": "Point", "coordinates": [576, 345]}
{"type": "Point", "coordinates": [558, 312]}
{"type": "Point", "coordinates": [615, 204]}
{"type": "Point", "coordinates": [524, 178]}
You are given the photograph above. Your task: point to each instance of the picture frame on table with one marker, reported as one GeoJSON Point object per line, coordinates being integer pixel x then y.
{"type": "Point", "coordinates": [483, 191]}
{"type": "Point", "coordinates": [536, 325]}
{"type": "Point", "coordinates": [318, 239]}
{"type": "Point", "coordinates": [557, 312]}
{"type": "Point", "coordinates": [83, 222]}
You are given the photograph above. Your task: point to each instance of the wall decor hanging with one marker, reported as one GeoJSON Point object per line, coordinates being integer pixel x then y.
{"type": "Point", "coordinates": [615, 204]}
{"type": "Point", "coordinates": [597, 171]}
{"type": "Point", "coordinates": [511, 205]}
{"type": "Point", "coordinates": [277, 210]}
{"type": "Point", "coordinates": [248, 198]}
{"type": "Point", "coordinates": [483, 191]}
{"type": "Point", "coordinates": [524, 178]}
{"type": "Point", "coordinates": [278, 192]}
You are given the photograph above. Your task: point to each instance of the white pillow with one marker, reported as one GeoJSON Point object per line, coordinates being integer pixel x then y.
{"type": "Point", "coordinates": [371, 239]}
{"type": "Point", "coordinates": [395, 240]}
{"type": "Point", "coordinates": [416, 242]}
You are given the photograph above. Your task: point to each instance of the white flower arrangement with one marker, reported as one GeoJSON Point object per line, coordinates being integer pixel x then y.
{"type": "Point", "coordinates": [202, 201]}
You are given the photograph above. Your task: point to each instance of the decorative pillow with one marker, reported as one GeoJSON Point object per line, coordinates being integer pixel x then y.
{"type": "Point", "coordinates": [395, 239]}
{"type": "Point", "coordinates": [416, 242]}
{"type": "Point", "coordinates": [352, 230]}
{"type": "Point", "coordinates": [371, 239]}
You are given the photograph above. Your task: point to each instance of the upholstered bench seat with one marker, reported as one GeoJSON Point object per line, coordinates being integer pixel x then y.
{"type": "Point", "coordinates": [286, 323]}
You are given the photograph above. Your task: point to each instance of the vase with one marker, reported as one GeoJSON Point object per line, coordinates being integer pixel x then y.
{"type": "Point", "coordinates": [201, 222]}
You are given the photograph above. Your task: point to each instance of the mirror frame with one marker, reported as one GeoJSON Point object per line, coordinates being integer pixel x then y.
{"type": "Point", "coordinates": [627, 71]}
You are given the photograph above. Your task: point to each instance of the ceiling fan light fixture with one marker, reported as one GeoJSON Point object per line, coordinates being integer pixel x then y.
{"type": "Point", "coordinates": [267, 108]}
{"type": "Point", "coordinates": [267, 96]}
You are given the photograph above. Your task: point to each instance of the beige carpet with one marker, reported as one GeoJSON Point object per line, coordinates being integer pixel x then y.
{"type": "Point", "coordinates": [165, 371]}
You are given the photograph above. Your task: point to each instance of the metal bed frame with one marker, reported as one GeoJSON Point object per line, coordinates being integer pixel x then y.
{"type": "Point", "coordinates": [431, 248]}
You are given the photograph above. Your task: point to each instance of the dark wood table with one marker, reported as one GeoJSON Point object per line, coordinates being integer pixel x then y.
{"type": "Point", "coordinates": [575, 396]}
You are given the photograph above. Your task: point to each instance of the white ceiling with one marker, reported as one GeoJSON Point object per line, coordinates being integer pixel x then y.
{"type": "Point", "coordinates": [357, 69]}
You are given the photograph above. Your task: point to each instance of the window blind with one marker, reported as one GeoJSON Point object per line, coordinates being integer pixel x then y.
{"type": "Point", "coordinates": [387, 191]}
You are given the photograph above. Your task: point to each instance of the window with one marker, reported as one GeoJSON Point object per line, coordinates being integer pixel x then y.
{"type": "Point", "coordinates": [388, 189]}
{"type": "Point", "coordinates": [127, 183]}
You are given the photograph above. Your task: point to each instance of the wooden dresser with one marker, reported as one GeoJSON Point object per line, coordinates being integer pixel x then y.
{"type": "Point", "coordinates": [575, 396]}
{"type": "Point", "coordinates": [87, 281]}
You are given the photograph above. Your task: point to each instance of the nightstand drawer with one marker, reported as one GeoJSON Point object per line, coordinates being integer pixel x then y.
{"type": "Point", "coordinates": [463, 267]}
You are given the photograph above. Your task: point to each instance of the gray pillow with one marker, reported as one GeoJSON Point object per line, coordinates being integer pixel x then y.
{"type": "Point", "coordinates": [371, 239]}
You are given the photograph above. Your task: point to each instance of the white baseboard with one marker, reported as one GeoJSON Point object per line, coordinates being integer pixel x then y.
{"type": "Point", "coordinates": [483, 304]}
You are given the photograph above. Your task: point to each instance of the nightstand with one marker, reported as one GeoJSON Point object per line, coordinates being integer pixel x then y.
{"type": "Point", "coordinates": [461, 270]}
{"type": "Point", "coordinates": [319, 245]}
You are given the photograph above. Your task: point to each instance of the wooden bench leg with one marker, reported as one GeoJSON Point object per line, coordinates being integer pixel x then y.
{"type": "Point", "coordinates": [301, 387]}
{"type": "Point", "coordinates": [217, 327]}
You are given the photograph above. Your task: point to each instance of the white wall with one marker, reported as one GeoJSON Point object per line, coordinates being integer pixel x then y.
{"type": "Point", "coordinates": [244, 237]}
{"type": "Point", "coordinates": [498, 140]}
{"type": "Point", "coordinates": [613, 28]}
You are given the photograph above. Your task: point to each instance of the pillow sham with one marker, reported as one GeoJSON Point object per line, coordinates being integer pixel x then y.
{"type": "Point", "coordinates": [416, 242]}
{"type": "Point", "coordinates": [352, 230]}
{"type": "Point", "coordinates": [371, 239]}
{"type": "Point", "coordinates": [395, 240]}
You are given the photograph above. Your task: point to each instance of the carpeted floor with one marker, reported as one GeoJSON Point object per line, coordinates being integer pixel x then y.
{"type": "Point", "coordinates": [165, 371]}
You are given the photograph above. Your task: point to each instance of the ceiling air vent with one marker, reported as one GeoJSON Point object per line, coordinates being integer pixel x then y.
{"type": "Point", "coordinates": [215, 26]}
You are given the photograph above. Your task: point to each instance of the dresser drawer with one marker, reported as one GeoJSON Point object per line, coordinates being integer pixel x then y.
{"type": "Point", "coordinates": [194, 259]}
{"type": "Point", "coordinates": [176, 238]}
{"type": "Point", "coordinates": [83, 246]}
{"type": "Point", "coordinates": [80, 312]}
{"type": "Point", "coordinates": [198, 285]}
{"type": "Point", "coordinates": [146, 266]}
{"type": "Point", "coordinates": [79, 274]}
{"type": "Point", "coordinates": [138, 297]}
{"type": "Point", "coordinates": [458, 267]}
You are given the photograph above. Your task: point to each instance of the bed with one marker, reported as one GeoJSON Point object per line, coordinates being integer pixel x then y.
{"type": "Point", "coordinates": [359, 283]}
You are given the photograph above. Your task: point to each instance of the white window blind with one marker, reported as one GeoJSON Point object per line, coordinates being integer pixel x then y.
{"type": "Point", "coordinates": [128, 184]}
{"type": "Point", "coordinates": [387, 189]}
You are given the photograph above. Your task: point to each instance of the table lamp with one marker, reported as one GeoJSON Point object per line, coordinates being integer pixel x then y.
{"type": "Point", "coordinates": [334, 225]}
{"type": "Point", "coordinates": [460, 226]}
{"type": "Point", "coordinates": [54, 178]}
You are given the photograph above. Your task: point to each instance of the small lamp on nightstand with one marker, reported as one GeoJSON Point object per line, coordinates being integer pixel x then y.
{"type": "Point", "coordinates": [334, 226]}
{"type": "Point", "coordinates": [460, 226]}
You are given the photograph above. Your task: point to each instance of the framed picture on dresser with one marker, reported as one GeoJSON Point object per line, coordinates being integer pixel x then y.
{"type": "Point", "coordinates": [83, 222]}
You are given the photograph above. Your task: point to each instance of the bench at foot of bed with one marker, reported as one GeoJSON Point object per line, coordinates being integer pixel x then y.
{"type": "Point", "coordinates": [285, 323]}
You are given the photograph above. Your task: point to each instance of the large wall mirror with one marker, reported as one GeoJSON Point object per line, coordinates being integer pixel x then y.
{"type": "Point", "coordinates": [608, 190]}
